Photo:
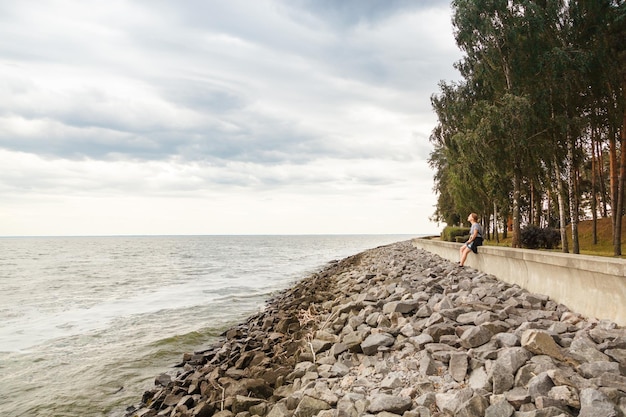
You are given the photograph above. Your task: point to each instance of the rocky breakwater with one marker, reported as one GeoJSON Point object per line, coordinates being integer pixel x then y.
{"type": "Point", "coordinates": [398, 331]}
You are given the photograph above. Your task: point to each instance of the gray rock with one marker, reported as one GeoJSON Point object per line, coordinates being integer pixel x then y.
{"type": "Point", "coordinates": [540, 385]}
{"type": "Point", "coordinates": [502, 378]}
{"type": "Point", "coordinates": [374, 341]}
{"type": "Point", "coordinates": [458, 366]}
{"type": "Point", "coordinates": [353, 340]}
{"type": "Point", "coordinates": [500, 409]}
{"type": "Point", "coordinates": [451, 402]}
{"type": "Point", "coordinates": [242, 403]}
{"type": "Point", "coordinates": [338, 349]}
{"type": "Point", "coordinates": [474, 407]}
{"type": "Point", "coordinates": [475, 336]}
{"type": "Point", "coordinates": [594, 403]}
{"type": "Point", "coordinates": [392, 403]}
{"type": "Point", "coordinates": [403, 307]}
{"type": "Point", "coordinates": [618, 355]}
{"type": "Point", "coordinates": [421, 340]}
{"type": "Point", "coordinates": [309, 407]}
{"type": "Point", "coordinates": [565, 395]}
{"type": "Point", "coordinates": [507, 339]}
{"type": "Point", "coordinates": [596, 369]}
{"type": "Point", "coordinates": [586, 349]}
{"type": "Point", "coordinates": [611, 380]}
{"type": "Point", "coordinates": [467, 318]}
{"type": "Point", "coordinates": [513, 358]}
{"type": "Point", "coordinates": [518, 396]}
{"type": "Point", "coordinates": [427, 366]}
{"type": "Point", "coordinates": [480, 380]}
{"type": "Point", "coordinates": [440, 329]}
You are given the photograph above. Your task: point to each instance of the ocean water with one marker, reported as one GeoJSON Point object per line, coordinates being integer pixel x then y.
{"type": "Point", "coordinates": [87, 323]}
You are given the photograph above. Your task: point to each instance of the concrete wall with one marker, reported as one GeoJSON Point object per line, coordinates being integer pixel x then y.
{"type": "Point", "coordinates": [593, 286]}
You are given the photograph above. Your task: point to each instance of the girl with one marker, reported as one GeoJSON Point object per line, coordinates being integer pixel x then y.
{"type": "Point", "coordinates": [475, 240]}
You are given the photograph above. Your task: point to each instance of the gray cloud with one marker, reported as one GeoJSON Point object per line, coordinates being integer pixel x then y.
{"type": "Point", "coordinates": [285, 82]}
{"type": "Point", "coordinates": [348, 13]}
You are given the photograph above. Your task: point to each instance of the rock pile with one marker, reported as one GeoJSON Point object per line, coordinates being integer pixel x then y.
{"type": "Point", "coordinates": [396, 331]}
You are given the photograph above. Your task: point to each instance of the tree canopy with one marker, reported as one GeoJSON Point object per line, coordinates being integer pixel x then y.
{"type": "Point", "coordinates": [534, 133]}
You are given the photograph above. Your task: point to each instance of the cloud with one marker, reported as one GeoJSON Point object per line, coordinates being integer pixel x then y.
{"type": "Point", "coordinates": [200, 100]}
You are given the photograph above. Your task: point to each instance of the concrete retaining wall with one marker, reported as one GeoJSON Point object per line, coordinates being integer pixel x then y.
{"type": "Point", "coordinates": [593, 286]}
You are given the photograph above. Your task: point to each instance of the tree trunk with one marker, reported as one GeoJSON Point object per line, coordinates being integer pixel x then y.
{"type": "Point", "coordinates": [561, 201]}
{"type": "Point", "coordinates": [531, 211]}
{"type": "Point", "coordinates": [505, 228]}
{"type": "Point", "coordinates": [572, 197]}
{"type": "Point", "coordinates": [617, 243]}
{"type": "Point", "coordinates": [615, 215]}
{"type": "Point", "coordinates": [594, 193]}
{"type": "Point", "coordinates": [495, 221]}
{"type": "Point", "coordinates": [538, 207]}
{"type": "Point", "coordinates": [517, 185]}
{"type": "Point", "coordinates": [603, 195]}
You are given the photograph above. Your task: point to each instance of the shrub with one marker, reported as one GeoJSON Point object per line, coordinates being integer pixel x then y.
{"type": "Point", "coordinates": [533, 237]}
{"type": "Point", "coordinates": [450, 233]}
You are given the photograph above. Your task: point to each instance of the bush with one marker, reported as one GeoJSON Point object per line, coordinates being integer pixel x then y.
{"type": "Point", "coordinates": [450, 233]}
{"type": "Point", "coordinates": [533, 237]}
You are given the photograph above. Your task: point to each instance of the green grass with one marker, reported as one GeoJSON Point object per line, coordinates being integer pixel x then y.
{"type": "Point", "coordinates": [604, 247]}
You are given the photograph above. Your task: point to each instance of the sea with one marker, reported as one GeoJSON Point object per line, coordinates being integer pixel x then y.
{"type": "Point", "coordinates": [87, 323]}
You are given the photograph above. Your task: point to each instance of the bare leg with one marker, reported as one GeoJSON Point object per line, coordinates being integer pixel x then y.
{"type": "Point", "coordinates": [464, 251]}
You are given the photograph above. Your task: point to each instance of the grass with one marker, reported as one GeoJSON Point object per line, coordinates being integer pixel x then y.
{"type": "Point", "coordinates": [604, 247]}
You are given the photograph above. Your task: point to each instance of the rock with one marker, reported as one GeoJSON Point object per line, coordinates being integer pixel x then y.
{"type": "Point", "coordinates": [421, 340]}
{"type": "Point", "coordinates": [353, 341]}
{"type": "Point", "coordinates": [279, 410]}
{"type": "Point", "coordinates": [163, 380]}
{"type": "Point", "coordinates": [595, 369]}
{"type": "Point", "coordinates": [618, 355]}
{"type": "Point", "coordinates": [474, 407]}
{"type": "Point", "coordinates": [513, 358]}
{"type": "Point", "coordinates": [458, 366]}
{"type": "Point", "coordinates": [611, 380]}
{"type": "Point", "coordinates": [502, 377]}
{"type": "Point", "coordinates": [480, 380]}
{"type": "Point", "coordinates": [403, 307]}
{"type": "Point", "coordinates": [391, 403]}
{"type": "Point", "coordinates": [540, 342]}
{"type": "Point", "coordinates": [587, 350]}
{"type": "Point", "coordinates": [475, 336]}
{"type": "Point", "coordinates": [518, 396]}
{"type": "Point", "coordinates": [565, 395]}
{"type": "Point", "coordinates": [373, 342]}
{"type": "Point", "coordinates": [594, 403]}
{"type": "Point", "coordinates": [540, 385]}
{"type": "Point", "coordinates": [500, 409]}
{"type": "Point", "coordinates": [241, 403]}
{"type": "Point", "coordinates": [451, 402]}
{"type": "Point", "coordinates": [397, 331]}
{"type": "Point", "coordinates": [309, 407]}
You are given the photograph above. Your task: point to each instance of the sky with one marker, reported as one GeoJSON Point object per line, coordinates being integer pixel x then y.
{"type": "Point", "coordinates": [155, 117]}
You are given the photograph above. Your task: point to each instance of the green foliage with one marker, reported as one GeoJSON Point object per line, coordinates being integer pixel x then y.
{"type": "Point", "coordinates": [533, 237]}
{"type": "Point", "coordinates": [450, 233]}
{"type": "Point", "coordinates": [541, 87]}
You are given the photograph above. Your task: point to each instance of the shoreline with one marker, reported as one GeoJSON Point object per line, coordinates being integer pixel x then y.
{"type": "Point", "coordinates": [396, 330]}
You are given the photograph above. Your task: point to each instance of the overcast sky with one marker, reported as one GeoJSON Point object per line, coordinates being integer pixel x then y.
{"type": "Point", "coordinates": [219, 117]}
